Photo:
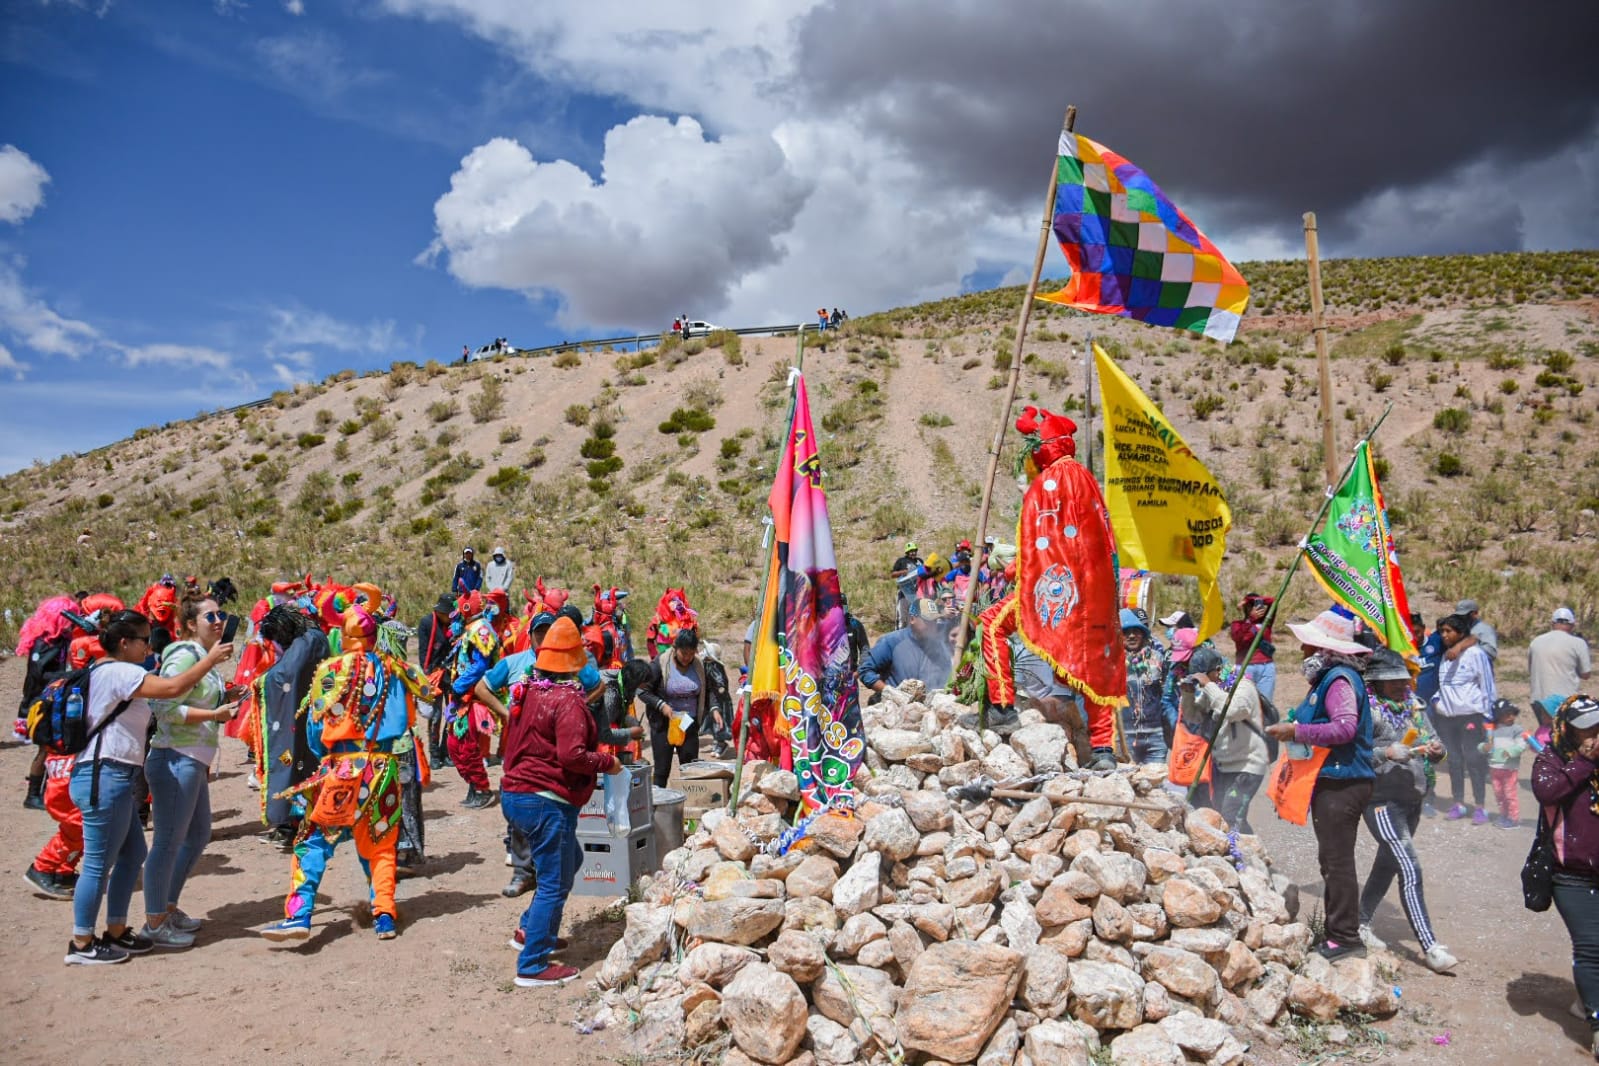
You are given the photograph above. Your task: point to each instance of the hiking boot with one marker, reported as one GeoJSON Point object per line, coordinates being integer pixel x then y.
{"type": "Point", "coordinates": [552, 976]}
{"type": "Point", "coordinates": [288, 929]}
{"type": "Point", "coordinates": [1439, 960]}
{"type": "Point", "coordinates": [166, 936]}
{"type": "Point", "coordinates": [1457, 812]}
{"type": "Point", "coordinates": [383, 926]}
{"type": "Point", "coordinates": [1104, 759]}
{"type": "Point", "coordinates": [181, 922]}
{"type": "Point", "coordinates": [1332, 950]}
{"type": "Point", "coordinates": [477, 800]}
{"type": "Point", "coordinates": [1479, 817]}
{"type": "Point", "coordinates": [94, 953]}
{"type": "Point", "coordinates": [51, 886]}
{"type": "Point", "coordinates": [1372, 940]}
{"type": "Point", "coordinates": [1004, 720]}
{"type": "Point", "coordinates": [128, 941]}
{"type": "Point", "coordinates": [517, 886]}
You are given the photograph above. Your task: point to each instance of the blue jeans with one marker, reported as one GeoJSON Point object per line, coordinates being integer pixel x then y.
{"type": "Point", "coordinates": [1264, 675]}
{"type": "Point", "coordinates": [112, 841]}
{"type": "Point", "coordinates": [551, 832]}
{"type": "Point", "coordinates": [1146, 745]}
{"type": "Point", "coordinates": [181, 817]}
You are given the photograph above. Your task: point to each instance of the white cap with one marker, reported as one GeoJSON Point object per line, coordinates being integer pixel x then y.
{"type": "Point", "coordinates": [1563, 614]}
{"type": "Point", "coordinates": [1173, 618]}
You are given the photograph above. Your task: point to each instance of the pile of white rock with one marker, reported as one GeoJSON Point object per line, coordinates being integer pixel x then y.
{"type": "Point", "coordinates": [926, 930]}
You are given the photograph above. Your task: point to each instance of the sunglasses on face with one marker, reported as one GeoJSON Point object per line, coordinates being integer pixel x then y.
{"type": "Point", "coordinates": [213, 616]}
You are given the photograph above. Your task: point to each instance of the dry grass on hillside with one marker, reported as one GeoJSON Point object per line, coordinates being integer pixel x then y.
{"type": "Point", "coordinates": [651, 468]}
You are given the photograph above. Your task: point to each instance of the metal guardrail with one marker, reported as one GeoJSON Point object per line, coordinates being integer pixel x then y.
{"type": "Point", "coordinates": [637, 341]}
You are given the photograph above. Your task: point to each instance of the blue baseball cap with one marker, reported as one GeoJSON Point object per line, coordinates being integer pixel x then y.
{"type": "Point", "coordinates": [1130, 620]}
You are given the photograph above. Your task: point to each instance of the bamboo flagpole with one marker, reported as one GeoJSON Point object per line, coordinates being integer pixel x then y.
{"type": "Point", "coordinates": [766, 576]}
{"type": "Point", "coordinates": [1282, 590]}
{"type": "Point", "coordinates": [1010, 390]}
{"type": "Point", "coordinates": [1318, 328]}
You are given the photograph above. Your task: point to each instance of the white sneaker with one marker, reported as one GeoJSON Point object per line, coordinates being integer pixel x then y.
{"type": "Point", "coordinates": [166, 936]}
{"type": "Point", "coordinates": [1372, 941]}
{"type": "Point", "coordinates": [508, 861]}
{"type": "Point", "coordinates": [176, 919]}
{"type": "Point", "coordinates": [253, 781]}
{"type": "Point", "coordinates": [1439, 960]}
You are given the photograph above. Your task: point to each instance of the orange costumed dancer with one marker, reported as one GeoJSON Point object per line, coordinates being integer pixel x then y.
{"type": "Point", "coordinates": [1063, 604]}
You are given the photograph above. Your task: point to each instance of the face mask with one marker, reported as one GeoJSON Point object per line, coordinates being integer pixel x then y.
{"type": "Point", "coordinates": [1313, 665]}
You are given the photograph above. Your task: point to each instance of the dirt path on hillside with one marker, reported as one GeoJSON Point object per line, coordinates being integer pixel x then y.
{"type": "Point", "coordinates": [442, 991]}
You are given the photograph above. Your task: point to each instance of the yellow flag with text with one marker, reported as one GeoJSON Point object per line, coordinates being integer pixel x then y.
{"type": "Point", "coordinates": [1166, 508]}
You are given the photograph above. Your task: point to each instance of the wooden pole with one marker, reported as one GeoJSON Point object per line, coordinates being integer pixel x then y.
{"type": "Point", "coordinates": [1088, 403]}
{"type": "Point", "coordinates": [998, 444]}
{"type": "Point", "coordinates": [1271, 612]}
{"type": "Point", "coordinates": [1318, 329]}
{"type": "Point", "coordinates": [742, 739]}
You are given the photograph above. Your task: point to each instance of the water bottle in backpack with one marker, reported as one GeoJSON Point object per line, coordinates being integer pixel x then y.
{"type": "Point", "coordinates": [73, 714]}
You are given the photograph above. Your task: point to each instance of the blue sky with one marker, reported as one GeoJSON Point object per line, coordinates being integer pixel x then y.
{"type": "Point", "coordinates": [202, 201]}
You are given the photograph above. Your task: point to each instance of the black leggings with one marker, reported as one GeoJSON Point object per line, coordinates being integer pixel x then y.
{"type": "Point", "coordinates": [1577, 900]}
{"type": "Point", "coordinates": [1462, 758]}
{"type": "Point", "coordinates": [662, 749]}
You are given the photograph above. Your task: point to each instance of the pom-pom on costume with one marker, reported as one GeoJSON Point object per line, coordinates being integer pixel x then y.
{"type": "Point", "coordinates": [360, 704]}
{"type": "Point", "coordinates": [1063, 604]}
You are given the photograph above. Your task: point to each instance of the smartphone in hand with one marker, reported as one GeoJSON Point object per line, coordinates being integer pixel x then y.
{"type": "Point", "coordinates": [230, 629]}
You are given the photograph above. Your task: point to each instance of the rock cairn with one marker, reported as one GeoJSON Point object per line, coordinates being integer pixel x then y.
{"type": "Point", "coordinates": [925, 930]}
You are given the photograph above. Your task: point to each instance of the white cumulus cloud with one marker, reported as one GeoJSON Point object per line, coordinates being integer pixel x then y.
{"type": "Point", "coordinates": [22, 183]}
{"type": "Point", "coordinates": [674, 220]}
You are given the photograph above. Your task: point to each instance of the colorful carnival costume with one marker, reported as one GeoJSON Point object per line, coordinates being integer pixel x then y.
{"type": "Point", "coordinates": [1063, 605]}
{"type": "Point", "coordinates": [672, 616]}
{"type": "Point", "coordinates": [410, 753]}
{"type": "Point", "coordinates": [468, 724]}
{"type": "Point", "coordinates": [360, 704]}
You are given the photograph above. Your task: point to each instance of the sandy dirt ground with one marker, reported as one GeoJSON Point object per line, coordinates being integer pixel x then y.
{"type": "Point", "coordinates": [442, 992]}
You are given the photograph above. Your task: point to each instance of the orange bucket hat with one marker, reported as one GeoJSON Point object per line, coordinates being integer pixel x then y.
{"type": "Point", "coordinates": [562, 650]}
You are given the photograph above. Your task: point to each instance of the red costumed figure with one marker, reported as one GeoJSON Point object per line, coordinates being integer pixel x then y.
{"type": "Point", "coordinates": [1063, 604]}
{"type": "Point", "coordinates": [602, 636]}
{"type": "Point", "coordinates": [54, 872]}
{"type": "Point", "coordinates": [672, 614]}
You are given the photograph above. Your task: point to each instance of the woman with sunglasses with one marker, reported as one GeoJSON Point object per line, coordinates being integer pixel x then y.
{"type": "Point", "coordinates": [104, 785]}
{"type": "Point", "coordinates": [178, 766]}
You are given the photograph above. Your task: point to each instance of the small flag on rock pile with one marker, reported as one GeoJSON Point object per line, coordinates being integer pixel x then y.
{"type": "Point", "coordinates": [1133, 253]}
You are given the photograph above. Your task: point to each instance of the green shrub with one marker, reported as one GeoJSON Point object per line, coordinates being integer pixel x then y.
{"type": "Point", "coordinates": [1509, 386]}
{"type": "Point", "coordinates": [323, 418]}
{"type": "Point", "coordinates": [442, 410]}
{"type": "Point", "coordinates": [602, 468]}
{"type": "Point", "coordinates": [1394, 354]}
{"type": "Point", "coordinates": [597, 448]}
{"type": "Point", "coordinates": [104, 500]}
{"type": "Point", "coordinates": [309, 440]}
{"type": "Point", "coordinates": [1207, 405]}
{"type": "Point", "coordinates": [489, 402]}
{"type": "Point", "coordinates": [535, 457]}
{"type": "Point", "coordinates": [936, 421]}
{"type": "Point", "coordinates": [380, 428]}
{"type": "Point", "coordinates": [732, 447]}
{"type": "Point", "coordinates": [1559, 362]}
{"type": "Point", "coordinates": [688, 420]}
{"type": "Point", "coordinates": [1452, 420]}
{"type": "Point", "coordinates": [567, 359]}
{"type": "Point", "coordinates": [577, 414]}
{"type": "Point", "coordinates": [1503, 361]}
{"type": "Point", "coordinates": [507, 479]}
{"type": "Point", "coordinates": [510, 435]}
{"type": "Point", "coordinates": [349, 426]}
{"type": "Point", "coordinates": [1448, 465]}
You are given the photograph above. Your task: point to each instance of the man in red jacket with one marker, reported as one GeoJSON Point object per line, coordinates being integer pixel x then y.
{"type": "Point", "coordinates": [550, 769]}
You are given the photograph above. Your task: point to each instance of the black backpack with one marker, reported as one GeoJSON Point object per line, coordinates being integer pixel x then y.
{"type": "Point", "coordinates": [1269, 715]}
{"type": "Point", "coordinates": [52, 728]}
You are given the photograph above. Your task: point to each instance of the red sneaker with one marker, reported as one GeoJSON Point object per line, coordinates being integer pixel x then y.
{"type": "Point", "coordinates": [519, 938]}
{"type": "Point", "coordinates": [552, 975]}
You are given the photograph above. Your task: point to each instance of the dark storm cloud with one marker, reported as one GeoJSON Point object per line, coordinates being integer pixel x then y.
{"type": "Point", "coordinates": [1258, 109]}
